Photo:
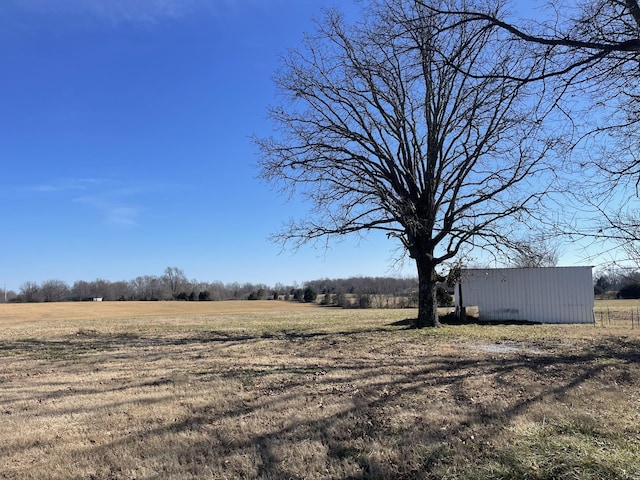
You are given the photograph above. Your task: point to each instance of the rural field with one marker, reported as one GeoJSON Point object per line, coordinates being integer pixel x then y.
{"type": "Point", "coordinates": [280, 390]}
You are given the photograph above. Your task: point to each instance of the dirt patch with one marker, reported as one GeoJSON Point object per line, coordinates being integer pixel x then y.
{"type": "Point", "coordinates": [503, 348]}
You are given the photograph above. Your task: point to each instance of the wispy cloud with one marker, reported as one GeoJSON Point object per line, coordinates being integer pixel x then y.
{"type": "Point", "coordinates": [118, 203]}
{"type": "Point", "coordinates": [113, 202]}
{"type": "Point", "coordinates": [65, 185]}
{"type": "Point", "coordinates": [113, 210]}
{"type": "Point", "coordinates": [128, 11]}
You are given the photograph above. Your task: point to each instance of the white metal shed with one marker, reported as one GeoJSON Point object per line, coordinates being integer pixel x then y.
{"type": "Point", "coordinates": [545, 295]}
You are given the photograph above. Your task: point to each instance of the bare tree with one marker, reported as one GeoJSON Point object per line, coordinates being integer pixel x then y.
{"type": "Point", "coordinates": [587, 40]}
{"type": "Point", "coordinates": [81, 290]}
{"type": "Point", "coordinates": [174, 279]}
{"type": "Point", "coordinates": [381, 129]}
{"type": "Point", "coordinates": [29, 291]}
{"type": "Point", "coordinates": [588, 57]}
{"type": "Point", "coordinates": [54, 290]}
{"type": "Point", "coordinates": [147, 287]}
{"type": "Point", "coordinates": [119, 291]}
{"type": "Point", "coordinates": [534, 252]}
{"type": "Point", "coordinates": [100, 288]}
{"type": "Point", "coordinates": [620, 226]}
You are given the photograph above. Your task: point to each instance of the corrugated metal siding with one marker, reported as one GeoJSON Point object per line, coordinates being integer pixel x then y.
{"type": "Point", "coordinates": [547, 295]}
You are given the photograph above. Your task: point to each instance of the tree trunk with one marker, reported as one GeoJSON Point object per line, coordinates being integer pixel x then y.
{"type": "Point", "coordinates": [427, 302]}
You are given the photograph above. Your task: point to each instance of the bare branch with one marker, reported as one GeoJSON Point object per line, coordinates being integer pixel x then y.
{"type": "Point", "coordinates": [382, 129]}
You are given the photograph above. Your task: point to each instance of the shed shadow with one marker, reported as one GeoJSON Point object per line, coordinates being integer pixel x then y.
{"type": "Point", "coordinates": [453, 319]}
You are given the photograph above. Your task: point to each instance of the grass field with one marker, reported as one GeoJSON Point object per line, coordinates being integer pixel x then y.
{"type": "Point", "coordinates": [278, 390]}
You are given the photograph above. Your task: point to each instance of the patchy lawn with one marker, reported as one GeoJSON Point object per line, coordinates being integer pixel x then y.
{"type": "Point", "coordinates": [313, 393]}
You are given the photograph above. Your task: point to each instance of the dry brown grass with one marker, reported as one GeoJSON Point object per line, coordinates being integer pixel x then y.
{"type": "Point", "coordinates": [168, 391]}
{"type": "Point", "coordinates": [623, 313]}
{"type": "Point", "coordinates": [16, 312]}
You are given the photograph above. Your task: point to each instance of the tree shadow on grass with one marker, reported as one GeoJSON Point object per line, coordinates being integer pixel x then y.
{"type": "Point", "coordinates": [453, 319]}
{"type": "Point", "coordinates": [357, 405]}
{"type": "Point", "coordinates": [363, 441]}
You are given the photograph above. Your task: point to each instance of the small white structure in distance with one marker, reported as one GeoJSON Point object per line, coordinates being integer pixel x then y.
{"type": "Point", "coordinates": [543, 295]}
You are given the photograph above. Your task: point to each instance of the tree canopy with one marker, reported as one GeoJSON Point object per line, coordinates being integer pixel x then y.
{"type": "Point", "coordinates": [588, 56]}
{"type": "Point", "coordinates": [415, 125]}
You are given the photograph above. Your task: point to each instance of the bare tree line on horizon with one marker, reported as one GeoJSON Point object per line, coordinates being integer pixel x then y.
{"type": "Point", "coordinates": [173, 284]}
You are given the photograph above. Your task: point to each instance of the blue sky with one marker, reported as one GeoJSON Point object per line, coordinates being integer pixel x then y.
{"type": "Point", "coordinates": [124, 138]}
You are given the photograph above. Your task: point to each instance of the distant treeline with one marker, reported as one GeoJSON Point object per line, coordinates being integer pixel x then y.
{"type": "Point", "coordinates": [620, 283]}
{"type": "Point", "coordinates": [174, 285]}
